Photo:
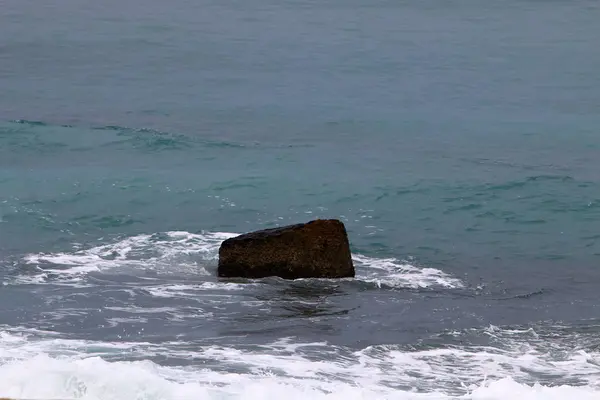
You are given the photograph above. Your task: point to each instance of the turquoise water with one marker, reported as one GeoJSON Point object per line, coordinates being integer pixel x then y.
{"type": "Point", "coordinates": [458, 141]}
{"type": "Point", "coordinates": [458, 203]}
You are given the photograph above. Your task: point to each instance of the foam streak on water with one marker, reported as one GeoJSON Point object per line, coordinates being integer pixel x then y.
{"type": "Point", "coordinates": [167, 253]}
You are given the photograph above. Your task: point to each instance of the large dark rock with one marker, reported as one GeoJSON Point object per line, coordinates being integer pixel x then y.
{"type": "Point", "coordinates": [317, 249]}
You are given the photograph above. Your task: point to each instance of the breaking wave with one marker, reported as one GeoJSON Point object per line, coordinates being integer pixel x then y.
{"type": "Point", "coordinates": [81, 369]}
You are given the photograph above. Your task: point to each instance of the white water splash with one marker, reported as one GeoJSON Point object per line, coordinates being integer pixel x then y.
{"type": "Point", "coordinates": [66, 369]}
{"type": "Point", "coordinates": [171, 252]}
{"type": "Point", "coordinates": [393, 273]}
{"type": "Point", "coordinates": [184, 252]}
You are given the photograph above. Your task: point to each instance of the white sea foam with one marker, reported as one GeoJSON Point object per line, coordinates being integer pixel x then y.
{"type": "Point", "coordinates": [184, 252]}
{"type": "Point", "coordinates": [140, 248]}
{"type": "Point", "coordinates": [34, 365]}
{"type": "Point", "coordinates": [171, 252]}
{"type": "Point", "coordinates": [394, 273]}
{"type": "Point", "coordinates": [192, 290]}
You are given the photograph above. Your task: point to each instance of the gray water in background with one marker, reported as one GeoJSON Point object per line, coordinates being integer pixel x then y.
{"type": "Point", "coordinates": [457, 135]}
{"type": "Point", "coordinates": [254, 70]}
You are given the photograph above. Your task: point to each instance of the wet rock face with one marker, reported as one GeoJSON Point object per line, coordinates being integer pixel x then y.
{"type": "Point", "coordinates": [317, 249]}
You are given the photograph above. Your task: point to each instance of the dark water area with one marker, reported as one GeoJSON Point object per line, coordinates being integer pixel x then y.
{"type": "Point", "coordinates": [458, 141]}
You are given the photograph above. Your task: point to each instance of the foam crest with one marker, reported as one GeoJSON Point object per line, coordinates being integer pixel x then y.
{"type": "Point", "coordinates": [391, 272]}
{"type": "Point", "coordinates": [184, 252]}
{"type": "Point", "coordinates": [191, 290]}
{"type": "Point", "coordinates": [508, 388]}
{"type": "Point", "coordinates": [91, 370]}
{"type": "Point", "coordinates": [168, 252]}
{"type": "Point", "coordinates": [181, 252]}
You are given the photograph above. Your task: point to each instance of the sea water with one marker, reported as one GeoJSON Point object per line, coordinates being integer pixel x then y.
{"type": "Point", "coordinates": [457, 140]}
